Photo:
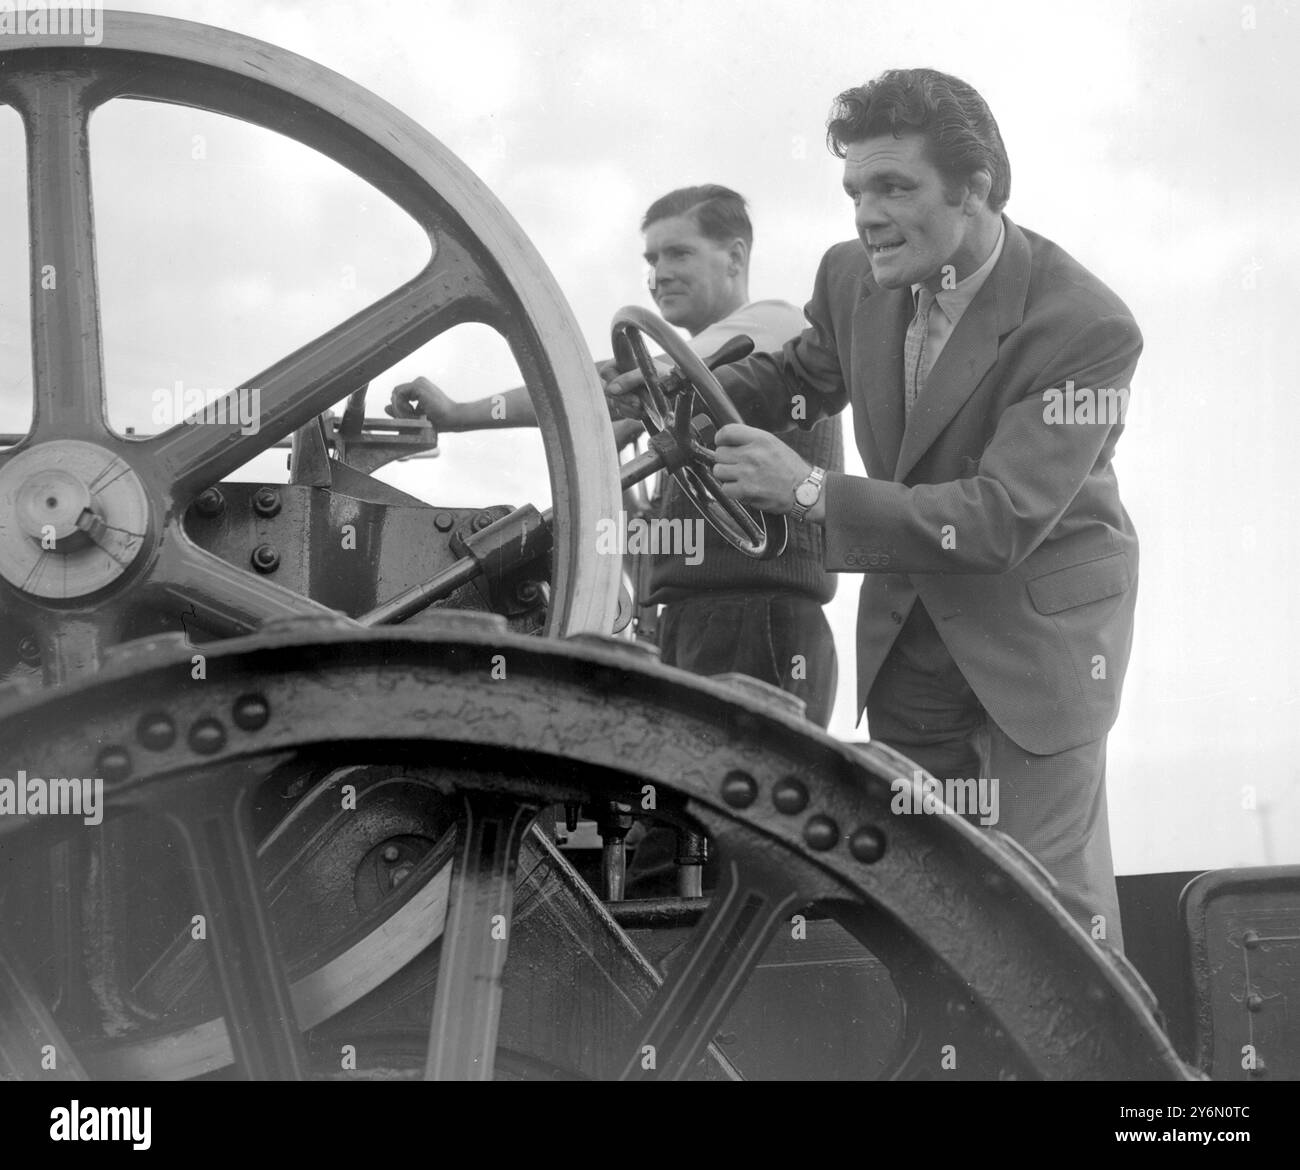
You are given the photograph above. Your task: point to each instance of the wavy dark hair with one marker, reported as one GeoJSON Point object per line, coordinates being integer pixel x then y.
{"type": "Point", "coordinates": [718, 212]}
{"type": "Point", "coordinates": [961, 134]}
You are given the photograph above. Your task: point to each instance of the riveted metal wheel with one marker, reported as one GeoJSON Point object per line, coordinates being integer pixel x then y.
{"type": "Point", "coordinates": [990, 971]}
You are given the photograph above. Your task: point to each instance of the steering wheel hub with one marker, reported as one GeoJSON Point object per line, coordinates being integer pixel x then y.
{"type": "Point", "coordinates": [73, 517]}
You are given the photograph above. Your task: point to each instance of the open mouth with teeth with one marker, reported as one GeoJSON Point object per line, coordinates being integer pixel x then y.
{"type": "Point", "coordinates": [885, 249]}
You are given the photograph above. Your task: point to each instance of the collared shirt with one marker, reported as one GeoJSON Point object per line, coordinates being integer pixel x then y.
{"type": "Point", "coordinates": [953, 302]}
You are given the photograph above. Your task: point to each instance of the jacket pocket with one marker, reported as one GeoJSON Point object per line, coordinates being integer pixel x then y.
{"type": "Point", "coordinates": [1079, 584]}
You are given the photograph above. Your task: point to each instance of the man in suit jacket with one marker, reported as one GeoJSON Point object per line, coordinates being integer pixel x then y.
{"type": "Point", "coordinates": [986, 369]}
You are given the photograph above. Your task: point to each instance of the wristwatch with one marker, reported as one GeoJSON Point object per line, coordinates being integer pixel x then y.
{"type": "Point", "coordinates": [808, 493]}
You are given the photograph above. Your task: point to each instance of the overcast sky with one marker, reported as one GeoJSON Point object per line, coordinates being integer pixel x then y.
{"type": "Point", "coordinates": [1153, 141]}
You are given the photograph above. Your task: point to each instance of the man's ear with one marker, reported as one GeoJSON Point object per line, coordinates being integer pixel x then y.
{"type": "Point", "coordinates": [978, 187]}
{"type": "Point", "coordinates": [738, 255]}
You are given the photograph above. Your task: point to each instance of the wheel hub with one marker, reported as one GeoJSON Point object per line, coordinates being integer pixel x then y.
{"type": "Point", "coordinates": [73, 517]}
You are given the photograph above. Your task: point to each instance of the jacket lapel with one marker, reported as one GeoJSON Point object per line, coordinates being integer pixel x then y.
{"type": "Point", "coordinates": [972, 349]}
{"type": "Point", "coordinates": [879, 330]}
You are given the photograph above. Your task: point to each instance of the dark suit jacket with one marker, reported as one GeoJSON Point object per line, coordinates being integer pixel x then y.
{"type": "Point", "coordinates": [1004, 521]}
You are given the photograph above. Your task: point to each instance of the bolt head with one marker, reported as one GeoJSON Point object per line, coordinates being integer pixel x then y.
{"type": "Point", "coordinates": [210, 504]}
{"type": "Point", "coordinates": [739, 789]}
{"type": "Point", "coordinates": [867, 844]}
{"type": "Point", "coordinates": [207, 737]}
{"type": "Point", "coordinates": [156, 731]}
{"type": "Point", "coordinates": [114, 763]}
{"type": "Point", "coordinates": [266, 501]}
{"type": "Point", "coordinates": [790, 796]}
{"type": "Point", "coordinates": [265, 558]}
{"type": "Point", "coordinates": [251, 712]}
{"type": "Point", "coordinates": [443, 521]}
{"type": "Point", "coordinates": [29, 650]}
{"type": "Point", "coordinates": [821, 833]}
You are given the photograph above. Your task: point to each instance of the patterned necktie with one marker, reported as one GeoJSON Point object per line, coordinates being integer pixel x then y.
{"type": "Point", "coordinates": [914, 351]}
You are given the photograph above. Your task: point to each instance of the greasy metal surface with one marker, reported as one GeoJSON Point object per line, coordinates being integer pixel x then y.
{"type": "Point", "coordinates": [985, 959]}
{"type": "Point", "coordinates": [481, 269]}
{"type": "Point", "coordinates": [1243, 931]}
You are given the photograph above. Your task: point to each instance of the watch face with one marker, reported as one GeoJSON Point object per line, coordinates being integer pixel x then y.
{"type": "Point", "coordinates": [806, 494]}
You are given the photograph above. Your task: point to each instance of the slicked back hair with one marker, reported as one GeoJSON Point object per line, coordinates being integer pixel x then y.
{"type": "Point", "coordinates": [961, 134]}
{"type": "Point", "coordinates": [719, 212]}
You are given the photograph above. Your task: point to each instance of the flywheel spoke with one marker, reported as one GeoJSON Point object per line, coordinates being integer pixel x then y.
{"type": "Point", "coordinates": [32, 1046]}
{"type": "Point", "coordinates": [730, 939]}
{"type": "Point", "coordinates": [451, 290]}
{"type": "Point", "coordinates": [211, 816]}
{"type": "Point", "coordinates": [68, 361]}
{"type": "Point", "coordinates": [73, 646]}
{"type": "Point", "coordinates": [189, 580]}
{"type": "Point", "coordinates": [467, 1000]}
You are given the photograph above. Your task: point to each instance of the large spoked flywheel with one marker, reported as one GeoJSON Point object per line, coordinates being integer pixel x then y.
{"type": "Point", "coordinates": [90, 520]}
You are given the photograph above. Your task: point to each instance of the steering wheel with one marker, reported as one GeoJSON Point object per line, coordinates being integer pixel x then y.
{"type": "Point", "coordinates": [91, 521]}
{"type": "Point", "coordinates": [682, 410]}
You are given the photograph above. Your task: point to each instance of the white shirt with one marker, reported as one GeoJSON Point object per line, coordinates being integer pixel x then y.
{"type": "Point", "coordinates": [770, 323]}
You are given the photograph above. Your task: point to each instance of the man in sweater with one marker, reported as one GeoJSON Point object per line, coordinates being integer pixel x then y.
{"type": "Point", "coordinates": [723, 611]}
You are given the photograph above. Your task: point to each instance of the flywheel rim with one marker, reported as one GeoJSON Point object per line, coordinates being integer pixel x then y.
{"type": "Point", "coordinates": [1024, 963]}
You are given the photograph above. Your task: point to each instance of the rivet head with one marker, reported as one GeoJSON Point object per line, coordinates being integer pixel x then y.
{"type": "Point", "coordinates": [114, 763]}
{"type": "Point", "coordinates": [1255, 1002]}
{"type": "Point", "coordinates": [821, 833]}
{"type": "Point", "coordinates": [400, 874]}
{"type": "Point", "coordinates": [391, 853]}
{"type": "Point", "coordinates": [739, 789]}
{"type": "Point", "coordinates": [156, 731]}
{"type": "Point", "coordinates": [251, 712]}
{"type": "Point", "coordinates": [266, 501]}
{"type": "Point", "coordinates": [790, 796]}
{"type": "Point", "coordinates": [867, 844]}
{"type": "Point", "coordinates": [207, 736]}
{"type": "Point", "coordinates": [29, 651]}
{"type": "Point", "coordinates": [1250, 940]}
{"type": "Point", "coordinates": [210, 503]}
{"type": "Point", "coordinates": [265, 558]}
{"type": "Point", "coordinates": [443, 521]}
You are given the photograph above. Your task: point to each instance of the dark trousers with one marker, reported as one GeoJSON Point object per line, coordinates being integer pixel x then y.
{"type": "Point", "coordinates": [777, 637]}
{"type": "Point", "coordinates": [1055, 806]}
